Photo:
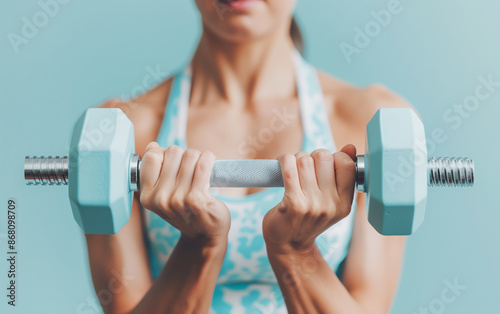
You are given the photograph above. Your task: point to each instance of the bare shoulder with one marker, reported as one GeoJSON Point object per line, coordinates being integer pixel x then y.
{"type": "Point", "coordinates": [145, 112]}
{"type": "Point", "coordinates": [350, 108]}
{"type": "Point", "coordinates": [358, 104]}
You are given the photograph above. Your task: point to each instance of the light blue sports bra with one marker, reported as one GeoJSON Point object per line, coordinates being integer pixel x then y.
{"type": "Point", "coordinates": [246, 283]}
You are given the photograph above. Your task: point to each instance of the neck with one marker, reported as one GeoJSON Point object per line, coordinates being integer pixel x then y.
{"type": "Point", "coordinates": [243, 73]}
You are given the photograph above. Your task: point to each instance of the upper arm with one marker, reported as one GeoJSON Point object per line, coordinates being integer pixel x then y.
{"type": "Point", "coordinates": [373, 264]}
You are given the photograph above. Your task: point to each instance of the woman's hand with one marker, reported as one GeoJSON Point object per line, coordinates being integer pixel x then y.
{"type": "Point", "coordinates": [319, 191]}
{"type": "Point", "coordinates": [175, 185]}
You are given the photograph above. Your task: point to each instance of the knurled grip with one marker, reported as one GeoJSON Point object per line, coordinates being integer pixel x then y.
{"type": "Point", "coordinates": [246, 173]}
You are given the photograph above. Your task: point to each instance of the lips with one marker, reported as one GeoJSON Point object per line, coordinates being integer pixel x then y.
{"type": "Point", "coordinates": [239, 5]}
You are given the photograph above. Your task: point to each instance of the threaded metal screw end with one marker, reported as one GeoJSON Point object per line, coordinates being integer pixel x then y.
{"type": "Point", "coordinates": [451, 172]}
{"type": "Point", "coordinates": [46, 170]}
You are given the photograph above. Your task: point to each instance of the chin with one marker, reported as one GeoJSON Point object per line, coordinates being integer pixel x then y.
{"type": "Point", "coordinates": [242, 28]}
{"type": "Point", "coordinates": [238, 20]}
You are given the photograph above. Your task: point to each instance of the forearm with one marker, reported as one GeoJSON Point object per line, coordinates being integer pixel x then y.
{"type": "Point", "coordinates": [309, 285]}
{"type": "Point", "coordinates": [119, 266]}
{"type": "Point", "coordinates": [187, 281]}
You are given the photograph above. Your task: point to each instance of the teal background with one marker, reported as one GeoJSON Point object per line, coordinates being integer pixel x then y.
{"type": "Point", "coordinates": [432, 53]}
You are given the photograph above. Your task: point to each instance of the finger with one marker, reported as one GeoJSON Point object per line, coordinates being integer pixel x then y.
{"type": "Point", "coordinates": [171, 161]}
{"type": "Point", "coordinates": [323, 161]}
{"type": "Point", "coordinates": [288, 164]}
{"type": "Point", "coordinates": [307, 174]}
{"type": "Point", "coordinates": [151, 145]}
{"type": "Point", "coordinates": [345, 175]}
{"type": "Point", "coordinates": [151, 164]}
{"type": "Point", "coordinates": [186, 170]}
{"type": "Point", "coordinates": [350, 150]}
{"type": "Point", "coordinates": [202, 171]}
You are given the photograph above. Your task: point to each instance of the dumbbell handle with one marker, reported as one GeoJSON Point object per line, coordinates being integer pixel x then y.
{"type": "Point", "coordinates": [225, 173]}
{"type": "Point", "coordinates": [448, 172]}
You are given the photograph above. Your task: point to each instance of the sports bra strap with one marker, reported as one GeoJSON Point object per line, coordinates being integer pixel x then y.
{"type": "Point", "coordinates": [316, 127]}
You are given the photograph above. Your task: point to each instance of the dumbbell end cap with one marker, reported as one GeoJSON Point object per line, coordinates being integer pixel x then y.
{"type": "Point", "coordinates": [360, 173]}
{"type": "Point", "coordinates": [134, 166]}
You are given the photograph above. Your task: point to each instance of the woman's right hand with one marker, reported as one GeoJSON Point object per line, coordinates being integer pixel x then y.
{"type": "Point", "coordinates": [174, 184]}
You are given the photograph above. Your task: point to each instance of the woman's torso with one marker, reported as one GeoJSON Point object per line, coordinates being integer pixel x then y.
{"type": "Point", "coordinates": [246, 280]}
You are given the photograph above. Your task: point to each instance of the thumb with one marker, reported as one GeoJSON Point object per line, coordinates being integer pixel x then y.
{"type": "Point", "coordinates": [350, 150]}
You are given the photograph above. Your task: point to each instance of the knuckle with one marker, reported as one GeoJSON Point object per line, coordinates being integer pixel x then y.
{"type": "Point", "coordinates": [322, 214]}
{"type": "Point", "coordinates": [191, 153]}
{"type": "Point", "coordinates": [286, 160]}
{"type": "Point", "coordinates": [209, 154]}
{"type": "Point", "coordinates": [306, 161]}
{"type": "Point", "coordinates": [316, 205]}
{"type": "Point", "coordinates": [175, 202]}
{"type": "Point", "coordinates": [153, 157]}
{"type": "Point", "coordinates": [298, 204]}
{"type": "Point", "coordinates": [306, 212]}
{"type": "Point", "coordinates": [322, 154]}
{"type": "Point", "coordinates": [194, 200]}
{"type": "Point", "coordinates": [289, 174]}
{"type": "Point", "coordinates": [287, 157]}
{"type": "Point", "coordinates": [174, 150]}
{"type": "Point", "coordinates": [300, 154]}
{"type": "Point", "coordinates": [145, 199]}
{"type": "Point", "coordinates": [204, 164]}
{"type": "Point", "coordinates": [157, 201]}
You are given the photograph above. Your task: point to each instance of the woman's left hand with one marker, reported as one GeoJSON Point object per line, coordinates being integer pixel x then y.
{"type": "Point", "coordinates": [319, 191]}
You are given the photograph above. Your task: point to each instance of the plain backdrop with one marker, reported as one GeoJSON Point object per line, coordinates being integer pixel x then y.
{"type": "Point", "coordinates": [433, 53]}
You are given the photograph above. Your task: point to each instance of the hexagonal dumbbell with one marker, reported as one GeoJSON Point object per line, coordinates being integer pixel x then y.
{"type": "Point", "coordinates": [98, 171]}
{"type": "Point", "coordinates": [397, 171]}
{"type": "Point", "coordinates": [100, 153]}
{"type": "Point", "coordinates": [103, 171]}
{"type": "Point", "coordinates": [396, 199]}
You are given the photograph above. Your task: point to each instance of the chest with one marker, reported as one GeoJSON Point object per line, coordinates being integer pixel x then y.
{"type": "Point", "coordinates": [259, 131]}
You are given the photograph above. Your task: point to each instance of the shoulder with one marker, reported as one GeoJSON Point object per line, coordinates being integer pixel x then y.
{"type": "Point", "coordinates": [358, 103]}
{"type": "Point", "coordinates": [146, 113]}
{"type": "Point", "coordinates": [350, 107]}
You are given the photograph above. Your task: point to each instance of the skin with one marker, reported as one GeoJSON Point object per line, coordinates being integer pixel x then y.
{"type": "Point", "coordinates": [234, 95]}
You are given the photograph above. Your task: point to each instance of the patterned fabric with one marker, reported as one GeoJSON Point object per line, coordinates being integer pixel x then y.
{"type": "Point", "coordinates": [246, 283]}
